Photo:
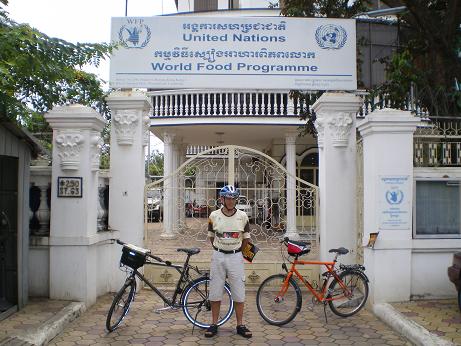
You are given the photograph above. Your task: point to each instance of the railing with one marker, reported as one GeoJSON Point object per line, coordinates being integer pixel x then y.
{"type": "Point", "coordinates": [438, 143]}
{"type": "Point", "coordinates": [40, 200]}
{"type": "Point", "coordinates": [193, 150]}
{"type": "Point", "coordinates": [185, 103]}
{"type": "Point", "coordinates": [190, 103]}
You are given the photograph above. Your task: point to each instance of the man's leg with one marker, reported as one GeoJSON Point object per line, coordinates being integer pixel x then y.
{"type": "Point", "coordinates": [215, 307]}
{"type": "Point", "coordinates": [238, 312]}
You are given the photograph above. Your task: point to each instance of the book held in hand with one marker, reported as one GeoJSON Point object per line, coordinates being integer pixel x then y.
{"type": "Point", "coordinates": [250, 251]}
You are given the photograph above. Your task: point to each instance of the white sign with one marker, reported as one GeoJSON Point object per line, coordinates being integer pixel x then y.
{"type": "Point", "coordinates": [223, 52]}
{"type": "Point", "coordinates": [394, 202]}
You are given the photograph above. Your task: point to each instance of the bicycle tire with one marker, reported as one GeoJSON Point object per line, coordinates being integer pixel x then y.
{"type": "Point", "coordinates": [197, 307]}
{"type": "Point", "coordinates": [357, 283]}
{"type": "Point", "coordinates": [121, 305]}
{"type": "Point", "coordinates": [274, 309]}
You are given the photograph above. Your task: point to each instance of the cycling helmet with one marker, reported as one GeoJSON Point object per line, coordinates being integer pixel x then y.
{"type": "Point", "coordinates": [229, 191]}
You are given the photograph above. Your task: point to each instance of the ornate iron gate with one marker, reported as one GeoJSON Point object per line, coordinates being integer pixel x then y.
{"type": "Point", "coordinates": [178, 205]}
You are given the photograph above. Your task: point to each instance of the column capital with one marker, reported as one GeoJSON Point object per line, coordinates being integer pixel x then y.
{"type": "Point", "coordinates": [388, 121]}
{"type": "Point", "coordinates": [290, 137]}
{"type": "Point", "coordinates": [128, 100]}
{"type": "Point", "coordinates": [76, 117]}
{"type": "Point", "coordinates": [337, 102]}
{"type": "Point", "coordinates": [168, 137]}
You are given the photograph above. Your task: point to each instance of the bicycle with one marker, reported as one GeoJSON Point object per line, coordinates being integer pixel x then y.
{"type": "Point", "coordinates": [279, 297]}
{"type": "Point", "coordinates": [192, 292]}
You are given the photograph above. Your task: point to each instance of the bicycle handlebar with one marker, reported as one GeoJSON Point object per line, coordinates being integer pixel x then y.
{"type": "Point", "coordinates": [158, 259]}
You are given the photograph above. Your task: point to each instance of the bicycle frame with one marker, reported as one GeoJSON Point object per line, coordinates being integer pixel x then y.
{"type": "Point", "coordinates": [320, 295]}
{"type": "Point", "coordinates": [183, 270]}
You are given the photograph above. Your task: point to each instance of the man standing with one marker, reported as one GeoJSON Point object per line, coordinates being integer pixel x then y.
{"type": "Point", "coordinates": [229, 232]}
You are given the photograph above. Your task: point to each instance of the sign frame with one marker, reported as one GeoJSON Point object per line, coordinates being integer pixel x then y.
{"type": "Point", "coordinates": [70, 187]}
{"type": "Point", "coordinates": [258, 53]}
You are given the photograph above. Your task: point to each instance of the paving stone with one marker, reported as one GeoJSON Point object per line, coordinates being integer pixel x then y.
{"type": "Point", "coordinates": [143, 326]}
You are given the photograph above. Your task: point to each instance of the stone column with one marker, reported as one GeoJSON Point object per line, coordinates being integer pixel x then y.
{"type": "Point", "coordinates": [182, 186]}
{"type": "Point", "coordinates": [129, 128]}
{"type": "Point", "coordinates": [388, 201]}
{"type": "Point", "coordinates": [290, 149]}
{"type": "Point", "coordinates": [168, 186]}
{"type": "Point", "coordinates": [73, 239]}
{"type": "Point", "coordinates": [335, 124]}
{"type": "Point", "coordinates": [127, 179]}
{"type": "Point", "coordinates": [176, 184]}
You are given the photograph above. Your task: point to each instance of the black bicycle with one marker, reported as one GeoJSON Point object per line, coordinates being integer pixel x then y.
{"type": "Point", "coordinates": [190, 295]}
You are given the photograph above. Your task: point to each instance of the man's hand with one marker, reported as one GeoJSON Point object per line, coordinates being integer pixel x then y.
{"type": "Point", "coordinates": [244, 243]}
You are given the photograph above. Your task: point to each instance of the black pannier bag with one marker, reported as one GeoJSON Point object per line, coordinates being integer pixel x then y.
{"type": "Point", "coordinates": [132, 258]}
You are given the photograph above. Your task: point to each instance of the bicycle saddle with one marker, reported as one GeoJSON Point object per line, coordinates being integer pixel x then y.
{"type": "Point", "coordinates": [341, 251]}
{"type": "Point", "coordinates": [300, 243]}
{"type": "Point", "coordinates": [190, 252]}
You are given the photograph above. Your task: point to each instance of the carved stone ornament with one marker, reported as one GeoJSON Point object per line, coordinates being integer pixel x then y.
{"type": "Point", "coordinates": [96, 144]}
{"type": "Point", "coordinates": [340, 126]}
{"type": "Point", "coordinates": [320, 127]}
{"type": "Point", "coordinates": [125, 123]}
{"type": "Point", "coordinates": [146, 123]}
{"type": "Point", "coordinates": [69, 145]}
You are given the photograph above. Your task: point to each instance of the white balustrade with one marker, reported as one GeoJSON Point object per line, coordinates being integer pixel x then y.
{"type": "Point", "coordinates": [224, 103]}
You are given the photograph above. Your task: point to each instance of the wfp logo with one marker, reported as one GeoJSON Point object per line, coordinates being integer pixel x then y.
{"type": "Point", "coordinates": [394, 196]}
{"type": "Point", "coordinates": [134, 36]}
{"type": "Point", "coordinates": [330, 36]}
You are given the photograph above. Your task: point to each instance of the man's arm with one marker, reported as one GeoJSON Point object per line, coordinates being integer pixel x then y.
{"type": "Point", "coordinates": [246, 235]}
{"type": "Point", "coordinates": [210, 231]}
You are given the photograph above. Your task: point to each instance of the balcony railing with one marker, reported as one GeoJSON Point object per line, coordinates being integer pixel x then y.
{"type": "Point", "coordinates": [273, 103]}
{"type": "Point", "coordinates": [186, 103]}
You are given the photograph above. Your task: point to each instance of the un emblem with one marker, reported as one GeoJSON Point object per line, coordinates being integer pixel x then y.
{"type": "Point", "coordinates": [134, 36]}
{"type": "Point", "coordinates": [331, 36]}
{"type": "Point", "coordinates": [394, 196]}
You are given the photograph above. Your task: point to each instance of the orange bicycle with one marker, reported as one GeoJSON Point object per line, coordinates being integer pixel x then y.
{"type": "Point", "coordinates": [345, 289]}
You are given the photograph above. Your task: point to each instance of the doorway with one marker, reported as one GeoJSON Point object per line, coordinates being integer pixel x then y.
{"type": "Point", "coordinates": [8, 233]}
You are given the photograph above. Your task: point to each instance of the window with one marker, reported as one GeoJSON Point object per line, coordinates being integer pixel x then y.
{"type": "Point", "coordinates": [205, 5]}
{"type": "Point", "coordinates": [437, 209]}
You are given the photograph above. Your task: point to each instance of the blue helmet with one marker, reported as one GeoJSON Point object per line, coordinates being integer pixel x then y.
{"type": "Point", "coordinates": [229, 191]}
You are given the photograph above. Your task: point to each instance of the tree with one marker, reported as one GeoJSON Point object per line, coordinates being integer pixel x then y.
{"type": "Point", "coordinates": [323, 8]}
{"type": "Point", "coordinates": [430, 57]}
{"type": "Point", "coordinates": [319, 8]}
{"type": "Point", "coordinates": [38, 72]}
{"type": "Point", "coordinates": [155, 163]}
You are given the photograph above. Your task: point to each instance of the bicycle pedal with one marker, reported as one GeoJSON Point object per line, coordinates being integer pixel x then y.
{"type": "Point", "coordinates": [167, 308]}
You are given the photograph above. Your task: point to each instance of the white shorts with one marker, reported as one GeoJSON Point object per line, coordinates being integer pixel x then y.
{"type": "Point", "coordinates": [230, 266]}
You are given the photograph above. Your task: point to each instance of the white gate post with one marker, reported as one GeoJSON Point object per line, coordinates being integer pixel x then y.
{"type": "Point", "coordinates": [168, 206]}
{"type": "Point", "coordinates": [75, 266]}
{"type": "Point", "coordinates": [388, 200]}
{"type": "Point", "coordinates": [290, 149]}
{"type": "Point", "coordinates": [127, 171]}
{"type": "Point", "coordinates": [335, 126]}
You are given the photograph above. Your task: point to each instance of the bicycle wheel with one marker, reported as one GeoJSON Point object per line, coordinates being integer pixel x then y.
{"type": "Point", "coordinates": [278, 302]}
{"type": "Point", "coordinates": [346, 305]}
{"type": "Point", "coordinates": [120, 305]}
{"type": "Point", "coordinates": [197, 307]}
